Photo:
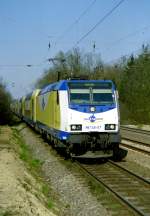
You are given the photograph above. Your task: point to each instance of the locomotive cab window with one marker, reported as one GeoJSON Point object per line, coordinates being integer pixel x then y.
{"type": "Point", "coordinates": [80, 96]}
{"type": "Point", "coordinates": [91, 93]}
{"type": "Point", "coordinates": [103, 96]}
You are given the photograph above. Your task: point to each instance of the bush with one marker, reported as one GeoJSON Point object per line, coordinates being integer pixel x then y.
{"type": "Point", "coordinates": [5, 100]}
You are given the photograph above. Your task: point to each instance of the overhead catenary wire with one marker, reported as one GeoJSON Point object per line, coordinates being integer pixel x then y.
{"type": "Point", "coordinates": [132, 34]}
{"type": "Point", "coordinates": [127, 55]}
{"type": "Point", "coordinates": [124, 38]}
{"type": "Point", "coordinates": [23, 65]}
{"type": "Point", "coordinates": [76, 21]}
{"type": "Point", "coordinates": [100, 21]}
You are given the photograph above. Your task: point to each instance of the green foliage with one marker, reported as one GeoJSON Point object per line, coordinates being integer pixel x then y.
{"type": "Point", "coordinates": [36, 163]}
{"type": "Point", "coordinates": [47, 193]}
{"type": "Point", "coordinates": [50, 204]}
{"type": "Point", "coordinates": [25, 152]}
{"type": "Point", "coordinates": [135, 87]}
{"type": "Point", "coordinates": [45, 190]}
{"type": "Point", "coordinates": [7, 213]}
{"type": "Point", "coordinates": [25, 155]}
{"type": "Point", "coordinates": [5, 100]}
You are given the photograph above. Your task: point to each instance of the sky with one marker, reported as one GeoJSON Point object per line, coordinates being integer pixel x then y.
{"type": "Point", "coordinates": [28, 26]}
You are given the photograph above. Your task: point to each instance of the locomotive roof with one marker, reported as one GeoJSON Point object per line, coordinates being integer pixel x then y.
{"type": "Point", "coordinates": [28, 96]}
{"type": "Point", "coordinates": [63, 84]}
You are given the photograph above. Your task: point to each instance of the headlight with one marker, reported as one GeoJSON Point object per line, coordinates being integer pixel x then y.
{"type": "Point", "coordinates": [76, 127]}
{"type": "Point", "coordinates": [92, 109]}
{"type": "Point", "coordinates": [110, 126]}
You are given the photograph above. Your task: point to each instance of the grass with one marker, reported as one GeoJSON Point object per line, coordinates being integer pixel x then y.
{"type": "Point", "coordinates": [34, 165]}
{"type": "Point", "coordinates": [25, 153]}
{"type": "Point", "coordinates": [7, 213]}
{"type": "Point", "coordinates": [50, 204]}
{"type": "Point", "coordinates": [45, 190]}
{"type": "Point", "coordinates": [139, 126]}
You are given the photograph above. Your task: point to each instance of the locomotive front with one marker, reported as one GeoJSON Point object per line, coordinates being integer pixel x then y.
{"type": "Point", "coordinates": [93, 118]}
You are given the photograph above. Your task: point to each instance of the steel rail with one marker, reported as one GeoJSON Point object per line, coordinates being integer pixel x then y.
{"type": "Point", "coordinates": [136, 142]}
{"type": "Point", "coordinates": [135, 148]}
{"type": "Point", "coordinates": [142, 141]}
{"type": "Point", "coordinates": [122, 198]}
{"type": "Point", "coordinates": [129, 171]}
{"type": "Point", "coordinates": [137, 130]}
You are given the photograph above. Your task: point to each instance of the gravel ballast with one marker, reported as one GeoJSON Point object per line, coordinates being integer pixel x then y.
{"type": "Point", "coordinates": [72, 190]}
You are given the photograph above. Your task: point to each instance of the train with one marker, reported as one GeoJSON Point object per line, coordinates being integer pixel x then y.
{"type": "Point", "coordinates": [81, 117]}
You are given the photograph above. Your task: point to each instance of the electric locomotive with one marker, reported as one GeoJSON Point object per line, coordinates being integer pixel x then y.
{"type": "Point", "coordinates": [81, 116]}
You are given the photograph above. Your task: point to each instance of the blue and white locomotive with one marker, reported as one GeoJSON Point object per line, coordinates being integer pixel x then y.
{"type": "Point", "coordinates": [80, 115]}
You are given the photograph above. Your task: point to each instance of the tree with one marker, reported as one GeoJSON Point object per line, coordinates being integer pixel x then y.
{"type": "Point", "coordinates": [5, 100]}
{"type": "Point", "coordinates": [135, 88]}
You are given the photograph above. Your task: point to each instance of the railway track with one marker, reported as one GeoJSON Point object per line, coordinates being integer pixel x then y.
{"type": "Point", "coordinates": [136, 130]}
{"type": "Point", "coordinates": [136, 134]}
{"type": "Point", "coordinates": [131, 189]}
{"type": "Point", "coordinates": [137, 146]}
{"type": "Point", "coordinates": [136, 139]}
